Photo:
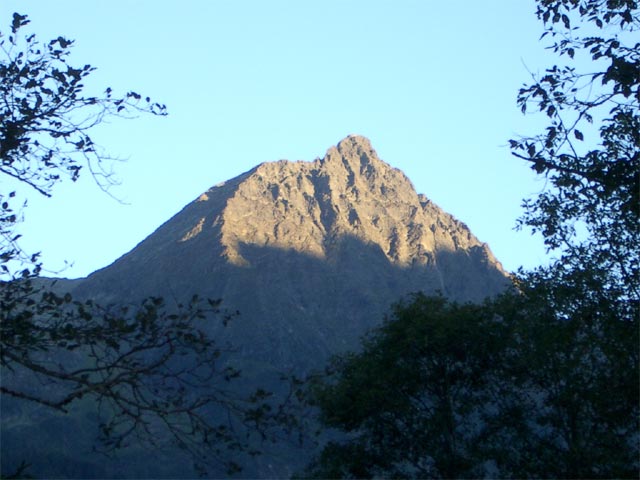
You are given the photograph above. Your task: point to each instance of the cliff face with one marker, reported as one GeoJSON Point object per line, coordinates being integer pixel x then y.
{"type": "Point", "coordinates": [312, 254]}
{"type": "Point", "coordinates": [309, 207]}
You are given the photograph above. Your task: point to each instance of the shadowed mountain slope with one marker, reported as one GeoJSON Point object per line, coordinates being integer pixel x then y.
{"type": "Point", "coordinates": [312, 254]}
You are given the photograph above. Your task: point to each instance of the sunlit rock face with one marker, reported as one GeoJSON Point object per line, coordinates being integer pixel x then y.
{"type": "Point", "coordinates": [309, 207]}
{"type": "Point", "coordinates": [312, 254]}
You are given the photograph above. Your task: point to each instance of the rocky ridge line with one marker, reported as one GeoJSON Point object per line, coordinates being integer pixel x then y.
{"type": "Point", "coordinates": [309, 206]}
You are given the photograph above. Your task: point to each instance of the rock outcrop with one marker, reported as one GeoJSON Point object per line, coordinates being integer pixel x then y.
{"type": "Point", "coordinates": [312, 254]}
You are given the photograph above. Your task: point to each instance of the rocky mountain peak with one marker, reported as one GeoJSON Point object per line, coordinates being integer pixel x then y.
{"type": "Point", "coordinates": [355, 142]}
{"type": "Point", "coordinates": [309, 207]}
{"type": "Point", "coordinates": [348, 210]}
{"type": "Point", "coordinates": [355, 155]}
{"type": "Point", "coordinates": [354, 149]}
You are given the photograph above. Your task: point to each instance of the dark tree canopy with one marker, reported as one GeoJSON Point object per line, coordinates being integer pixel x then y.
{"type": "Point", "coordinates": [498, 390]}
{"type": "Point", "coordinates": [415, 401]}
{"type": "Point", "coordinates": [574, 376]}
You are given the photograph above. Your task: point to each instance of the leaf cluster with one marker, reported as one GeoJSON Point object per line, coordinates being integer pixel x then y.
{"type": "Point", "coordinates": [45, 116]}
{"type": "Point", "coordinates": [590, 151]}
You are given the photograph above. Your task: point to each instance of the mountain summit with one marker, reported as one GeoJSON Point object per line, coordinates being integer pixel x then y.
{"type": "Point", "coordinates": [310, 207]}
{"type": "Point", "coordinates": [312, 254]}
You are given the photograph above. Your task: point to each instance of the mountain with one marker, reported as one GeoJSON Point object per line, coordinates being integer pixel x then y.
{"type": "Point", "coordinates": [311, 254]}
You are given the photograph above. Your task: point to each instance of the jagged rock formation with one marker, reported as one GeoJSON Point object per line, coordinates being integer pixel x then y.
{"type": "Point", "coordinates": [312, 254]}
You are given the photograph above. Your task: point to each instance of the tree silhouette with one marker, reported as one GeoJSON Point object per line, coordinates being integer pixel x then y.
{"type": "Point", "coordinates": [590, 151]}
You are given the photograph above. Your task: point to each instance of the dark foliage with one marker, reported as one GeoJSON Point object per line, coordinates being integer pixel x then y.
{"type": "Point", "coordinates": [590, 152]}
{"type": "Point", "coordinates": [503, 389]}
{"type": "Point", "coordinates": [572, 369]}
{"type": "Point", "coordinates": [416, 402]}
{"type": "Point", "coordinates": [45, 115]}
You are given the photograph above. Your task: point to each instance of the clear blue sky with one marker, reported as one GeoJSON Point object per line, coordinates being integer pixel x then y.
{"type": "Point", "coordinates": [432, 84]}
